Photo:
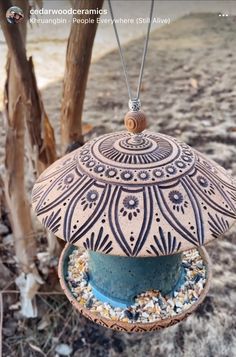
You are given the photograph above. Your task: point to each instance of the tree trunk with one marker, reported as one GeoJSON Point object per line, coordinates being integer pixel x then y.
{"type": "Point", "coordinates": [25, 243]}
{"type": "Point", "coordinates": [21, 80]}
{"type": "Point", "coordinates": [18, 102]}
{"type": "Point", "coordinates": [78, 57]}
{"type": "Point", "coordinates": [14, 184]}
{"type": "Point", "coordinates": [41, 137]}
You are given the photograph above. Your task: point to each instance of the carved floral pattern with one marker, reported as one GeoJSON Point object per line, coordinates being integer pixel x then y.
{"type": "Point", "coordinates": [178, 201]}
{"type": "Point", "coordinates": [130, 207]}
{"type": "Point", "coordinates": [135, 196]}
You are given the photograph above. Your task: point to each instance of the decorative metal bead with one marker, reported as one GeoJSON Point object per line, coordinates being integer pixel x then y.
{"type": "Point", "coordinates": [135, 122]}
{"type": "Point", "coordinates": [134, 105]}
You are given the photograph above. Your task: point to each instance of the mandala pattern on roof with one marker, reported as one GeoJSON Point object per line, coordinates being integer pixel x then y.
{"type": "Point", "coordinates": [135, 159]}
{"type": "Point", "coordinates": [141, 195]}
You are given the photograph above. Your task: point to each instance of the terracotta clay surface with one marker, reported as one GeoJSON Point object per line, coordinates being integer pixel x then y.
{"type": "Point", "coordinates": [135, 195]}
{"type": "Point", "coordinates": [125, 326]}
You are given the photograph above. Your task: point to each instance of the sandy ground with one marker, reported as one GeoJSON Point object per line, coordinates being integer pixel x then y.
{"type": "Point", "coordinates": [47, 42]}
{"type": "Point", "coordinates": [189, 91]}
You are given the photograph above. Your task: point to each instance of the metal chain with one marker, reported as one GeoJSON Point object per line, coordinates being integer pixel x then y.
{"type": "Point", "coordinates": [134, 102]}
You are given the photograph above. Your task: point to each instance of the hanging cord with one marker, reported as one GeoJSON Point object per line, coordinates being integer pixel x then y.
{"type": "Point", "coordinates": [145, 50]}
{"type": "Point", "coordinates": [135, 101]}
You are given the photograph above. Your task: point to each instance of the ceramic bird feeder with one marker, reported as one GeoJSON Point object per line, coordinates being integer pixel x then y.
{"type": "Point", "coordinates": [136, 200]}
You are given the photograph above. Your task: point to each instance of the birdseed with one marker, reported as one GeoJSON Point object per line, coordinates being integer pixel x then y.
{"type": "Point", "coordinates": [149, 306]}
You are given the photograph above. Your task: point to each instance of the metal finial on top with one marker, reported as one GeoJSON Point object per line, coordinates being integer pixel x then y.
{"type": "Point", "coordinates": [134, 105]}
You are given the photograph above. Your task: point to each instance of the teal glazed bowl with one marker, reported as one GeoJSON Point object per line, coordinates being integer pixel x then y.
{"type": "Point", "coordinates": [126, 326]}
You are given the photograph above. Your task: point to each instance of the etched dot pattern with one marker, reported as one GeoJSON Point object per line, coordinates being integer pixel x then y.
{"type": "Point", "coordinates": [145, 158]}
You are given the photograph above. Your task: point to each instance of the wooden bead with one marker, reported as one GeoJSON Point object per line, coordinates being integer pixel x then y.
{"type": "Point", "coordinates": [135, 122]}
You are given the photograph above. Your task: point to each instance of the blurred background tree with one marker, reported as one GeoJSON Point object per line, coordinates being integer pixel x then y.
{"type": "Point", "coordinates": [29, 132]}
{"type": "Point", "coordinates": [78, 58]}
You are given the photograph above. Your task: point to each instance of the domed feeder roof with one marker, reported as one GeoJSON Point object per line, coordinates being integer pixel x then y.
{"type": "Point", "coordinates": [135, 195]}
